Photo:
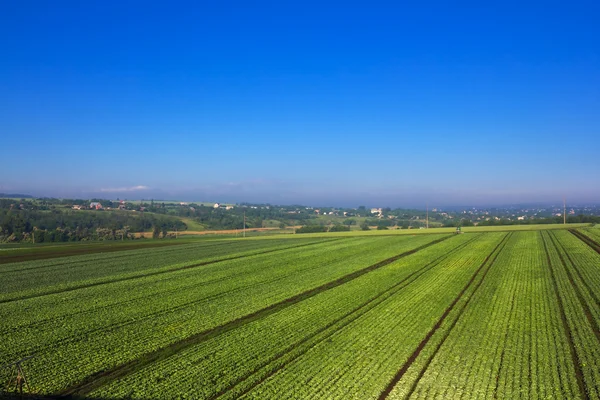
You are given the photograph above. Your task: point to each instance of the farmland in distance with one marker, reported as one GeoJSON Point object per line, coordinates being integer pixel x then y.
{"type": "Point", "coordinates": [484, 314]}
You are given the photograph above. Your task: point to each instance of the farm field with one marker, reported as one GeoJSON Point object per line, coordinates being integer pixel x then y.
{"type": "Point", "coordinates": [493, 313]}
{"type": "Point", "coordinates": [11, 253]}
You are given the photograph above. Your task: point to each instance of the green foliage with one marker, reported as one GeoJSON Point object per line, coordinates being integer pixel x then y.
{"type": "Point", "coordinates": [122, 319]}
{"type": "Point", "coordinates": [311, 229]}
{"type": "Point", "coordinates": [48, 275]}
{"type": "Point", "coordinates": [263, 318]}
{"type": "Point", "coordinates": [339, 228]}
{"type": "Point", "coordinates": [49, 223]}
{"type": "Point", "coordinates": [380, 222]}
{"type": "Point", "coordinates": [364, 226]}
{"type": "Point", "coordinates": [221, 218]}
{"type": "Point", "coordinates": [19, 218]}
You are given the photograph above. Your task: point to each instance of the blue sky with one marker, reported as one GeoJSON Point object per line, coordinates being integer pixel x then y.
{"type": "Point", "coordinates": [321, 103]}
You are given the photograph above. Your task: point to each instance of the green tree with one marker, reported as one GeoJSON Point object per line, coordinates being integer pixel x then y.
{"type": "Point", "coordinates": [339, 228]}
{"type": "Point", "coordinates": [311, 229]}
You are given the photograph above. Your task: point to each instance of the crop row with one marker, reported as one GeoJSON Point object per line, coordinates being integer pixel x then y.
{"type": "Point", "coordinates": [116, 323]}
{"type": "Point", "coordinates": [359, 360]}
{"type": "Point", "coordinates": [136, 296]}
{"type": "Point", "coordinates": [582, 267]}
{"type": "Point", "coordinates": [579, 318]}
{"type": "Point", "coordinates": [588, 237]}
{"type": "Point", "coordinates": [524, 335]}
{"type": "Point", "coordinates": [49, 276]}
{"type": "Point", "coordinates": [407, 378]}
{"type": "Point", "coordinates": [232, 362]}
{"type": "Point", "coordinates": [66, 262]}
{"type": "Point", "coordinates": [72, 308]}
{"type": "Point", "coordinates": [493, 315]}
{"type": "Point", "coordinates": [488, 353]}
{"type": "Point", "coordinates": [592, 233]}
{"type": "Point", "coordinates": [529, 331]}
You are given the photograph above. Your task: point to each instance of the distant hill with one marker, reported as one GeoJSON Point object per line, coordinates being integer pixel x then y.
{"type": "Point", "coordinates": [15, 196]}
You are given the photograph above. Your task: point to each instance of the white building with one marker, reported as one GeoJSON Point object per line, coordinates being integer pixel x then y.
{"type": "Point", "coordinates": [377, 211]}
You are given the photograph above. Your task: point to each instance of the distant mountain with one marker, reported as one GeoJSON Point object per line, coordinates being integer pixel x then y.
{"type": "Point", "coordinates": [16, 195]}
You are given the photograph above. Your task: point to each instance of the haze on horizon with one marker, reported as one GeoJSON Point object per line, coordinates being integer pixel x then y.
{"type": "Point", "coordinates": [308, 103]}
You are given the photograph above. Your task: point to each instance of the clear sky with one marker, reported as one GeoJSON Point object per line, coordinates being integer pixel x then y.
{"type": "Point", "coordinates": [319, 103]}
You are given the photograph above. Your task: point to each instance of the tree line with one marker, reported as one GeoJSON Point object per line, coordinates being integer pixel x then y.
{"type": "Point", "coordinates": [32, 222]}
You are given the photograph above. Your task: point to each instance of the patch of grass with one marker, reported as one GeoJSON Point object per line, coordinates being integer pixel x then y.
{"type": "Point", "coordinates": [271, 223]}
{"type": "Point", "coordinates": [192, 225]}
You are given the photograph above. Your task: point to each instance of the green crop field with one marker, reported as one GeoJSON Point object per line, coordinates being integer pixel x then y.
{"type": "Point", "coordinates": [496, 312]}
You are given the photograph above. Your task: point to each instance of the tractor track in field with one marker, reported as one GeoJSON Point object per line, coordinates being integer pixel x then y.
{"type": "Point", "coordinates": [581, 278]}
{"type": "Point", "coordinates": [80, 251]}
{"type": "Point", "coordinates": [117, 325]}
{"type": "Point", "coordinates": [576, 288]}
{"type": "Point", "coordinates": [339, 324]}
{"type": "Point", "coordinates": [488, 261]}
{"type": "Point", "coordinates": [99, 379]}
{"type": "Point", "coordinates": [111, 256]}
{"type": "Point", "coordinates": [563, 316]}
{"type": "Point", "coordinates": [587, 240]}
{"type": "Point", "coordinates": [80, 336]}
{"type": "Point", "coordinates": [592, 233]}
{"type": "Point", "coordinates": [69, 263]}
{"type": "Point", "coordinates": [41, 322]}
{"type": "Point", "coordinates": [172, 249]}
{"type": "Point", "coordinates": [133, 277]}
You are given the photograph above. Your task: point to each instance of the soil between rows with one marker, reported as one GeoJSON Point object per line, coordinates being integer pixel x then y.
{"type": "Point", "coordinates": [101, 378]}
{"type": "Point", "coordinates": [413, 357]}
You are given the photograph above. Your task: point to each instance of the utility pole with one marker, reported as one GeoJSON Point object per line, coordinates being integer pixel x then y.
{"type": "Point", "coordinates": [143, 224]}
{"type": "Point", "coordinates": [564, 210]}
{"type": "Point", "coordinates": [427, 215]}
{"type": "Point", "coordinates": [244, 223]}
